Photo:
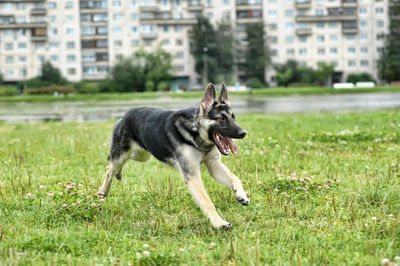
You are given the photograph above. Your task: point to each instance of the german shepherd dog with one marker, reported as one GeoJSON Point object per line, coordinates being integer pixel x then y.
{"type": "Point", "coordinates": [182, 139]}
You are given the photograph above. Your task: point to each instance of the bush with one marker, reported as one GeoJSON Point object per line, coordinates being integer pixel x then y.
{"type": "Point", "coordinates": [87, 87]}
{"type": "Point", "coordinates": [51, 89]}
{"type": "Point", "coordinates": [301, 85]}
{"type": "Point", "coordinates": [8, 91]}
{"type": "Point", "coordinates": [163, 86]}
{"type": "Point", "coordinates": [149, 85]}
{"type": "Point", "coordinates": [108, 85]}
{"type": "Point", "coordinates": [354, 78]}
{"type": "Point", "coordinates": [255, 83]}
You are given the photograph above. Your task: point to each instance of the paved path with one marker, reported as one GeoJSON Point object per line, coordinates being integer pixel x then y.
{"type": "Point", "coordinates": [103, 110]}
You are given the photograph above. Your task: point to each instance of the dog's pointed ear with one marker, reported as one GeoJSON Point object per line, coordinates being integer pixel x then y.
{"type": "Point", "coordinates": [223, 96]}
{"type": "Point", "coordinates": [208, 98]}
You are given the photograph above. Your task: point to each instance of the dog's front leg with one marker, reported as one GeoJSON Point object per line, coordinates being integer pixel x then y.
{"type": "Point", "coordinates": [221, 173]}
{"type": "Point", "coordinates": [196, 188]}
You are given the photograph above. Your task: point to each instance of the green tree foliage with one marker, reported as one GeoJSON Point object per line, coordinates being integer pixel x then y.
{"type": "Point", "coordinates": [140, 72]}
{"type": "Point", "coordinates": [203, 36]}
{"type": "Point", "coordinates": [225, 56]}
{"type": "Point", "coordinates": [324, 72]}
{"type": "Point", "coordinates": [1, 78]}
{"type": "Point", "coordinates": [354, 78]}
{"type": "Point", "coordinates": [291, 72]}
{"type": "Point", "coordinates": [50, 75]}
{"type": "Point", "coordinates": [256, 56]}
{"type": "Point", "coordinates": [389, 63]}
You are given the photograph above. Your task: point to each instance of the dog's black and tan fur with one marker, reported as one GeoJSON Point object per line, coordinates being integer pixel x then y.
{"type": "Point", "coordinates": [183, 139]}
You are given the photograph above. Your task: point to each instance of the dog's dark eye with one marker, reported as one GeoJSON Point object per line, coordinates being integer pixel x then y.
{"type": "Point", "coordinates": [233, 116]}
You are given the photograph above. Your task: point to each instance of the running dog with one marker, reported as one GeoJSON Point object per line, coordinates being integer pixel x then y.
{"type": "Point", "coordinates": [182, 139]}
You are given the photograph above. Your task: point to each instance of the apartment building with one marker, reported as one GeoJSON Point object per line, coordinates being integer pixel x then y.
{"type": "Point", "coordinates": [348, 34]}
{"type": "Point", "coordinates": [85, 38]}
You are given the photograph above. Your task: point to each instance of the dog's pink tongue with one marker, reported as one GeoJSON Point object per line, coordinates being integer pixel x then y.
{"type": "Point", "coordinates": [232, 146]}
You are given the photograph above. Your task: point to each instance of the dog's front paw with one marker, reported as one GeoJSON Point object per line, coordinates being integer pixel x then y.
{"type": "Point", "coordinates": [244, 201]}
{"type": "Point", "coordinates": [226, 226]}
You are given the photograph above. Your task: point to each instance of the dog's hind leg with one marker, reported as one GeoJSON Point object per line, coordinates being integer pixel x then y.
{"type": "Point", "coordinates": [221, 173]}
{"type": "Point", "coordinates": [113, 169]}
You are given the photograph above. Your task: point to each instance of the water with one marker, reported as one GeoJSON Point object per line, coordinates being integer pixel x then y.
{"type": "Point", "coordinates": [94, 111]}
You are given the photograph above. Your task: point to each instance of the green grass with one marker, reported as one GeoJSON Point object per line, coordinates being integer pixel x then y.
{"type": "Point", "coordinates": [354, 222]}
{"type": "Point", "coordinates": [196, 94]}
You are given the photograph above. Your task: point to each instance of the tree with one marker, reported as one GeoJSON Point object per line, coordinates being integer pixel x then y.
{"type": "Point", "coordinates": [204, 48]}
{"type": "Point", "coordinates": [139, 72]}
{"type": "Point", "coordinates": [256, 58]}
{"type": "Point", "coordinates": [389, 63]}
{"type": "Point", "coordinates": [51, 75]}
{"type": "Point", "coordinates": [225, 56]}
{"type": "Point", "coordinates": [1, 78]}
{"type": "Point", "coordinates": [324, 73]}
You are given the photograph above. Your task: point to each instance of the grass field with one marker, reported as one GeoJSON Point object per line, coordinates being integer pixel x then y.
{"type": "Point", "coordinates": [324, 189]}
{"type": "Point", "coordinates": [149, 95]}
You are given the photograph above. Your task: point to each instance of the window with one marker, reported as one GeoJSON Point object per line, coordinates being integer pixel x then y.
{"type": "Point", "coordinates": [22, 45]}
{"type": "Point", "coordinates": [70, 31]}
{"type": "Point", "coordinates": [209, 14]}
{"type": "Point", "coordinates": [53, 44]}
{"type": "Point", "coordinates": [165, 41]}
{"type": "Point", "coordinates": [303, 51]}
{"type": "Point", "coordinates": [178, 28]}
{"type": "Point", "coordinates": [320, 25]}
{"type": "Point", "coordinates": [364, 63]}
{"type": "Point", "coordinates": [20, 6]}
{"type": "Point", "coordinates": [52, 5]}
{"type": "Point", "coordinates": [165, 28]}
{"type": "Point", "coordinates": [273, 39]}
{"type": "Point", "coordinates": [351, 37]}
{"type": "Point", "coordinates": [379, 24]}
{"type": "Point", "coordinates": [71, 71]}
{"type": "Point", "coordinates": [118, 16]}
{"type": "Point", "coordinates": [134, 29]}
{"type": "Point", "coordinates": [148, 43]}
{"type": "Point", "coordinates": [9, 46]}
{"type": "Point", "coordinates": [135, 43]}
{"type": "Point", "coordinates": [333, 37]}
{"type": "Point", "coordinates": [351, 50]}
{"type": "Point", "coordinates": [334, 63]}
{"type": "Point", "coordinates": [379, 10]}
{"type": "Point", "coordinates": [290, 51]}
{"type": "Point", "coordinates": [363, 11]}
{"type": "Point", "coordinates": [380, 36]}
{"type": "Point", "coordinates": [333, 50]}
{"type": "Point", "coordinates": [133, 3]}
{"type": "Point", "coordinates": [363, 24]}
{"type": "Point", "coordinates": [272, 26]}
{"type": "Point", "coordinates": [40, 45]}
{"type": "Point", "coordinates": [70, 45]}
{"type": "Point", "coordinates": [117, 3]}
{"type": "Point", "coordinates": [69, 5]}
{"type": "Point", "coordinates": [351, 63]}
{"type": "Point", "coordinates": [289, 13]}
{"type": "Point", "coordinates": [179, 55]}
{"type": "Point", "coordinates": [179, 42]}
{"type": "Point", "coordinates": [364, 50]}
{"type": "Point", "coordinates": [118, 43]}
{"type": "Point", "coordinates": [364, 37]}
{"type": "Point", "coordinates": [321, 51]}
{"type": "Point", "coordinates": [320, 38]}
{"type": "Point", "coordinates": [69, 18]}
{"type": "Point", "coordinates": [71, 58]}
{"type": "Point", "coordinates": [40, 58]}
{"type": "Point", "coordinates": [289, 26]}
{"type": "Point", "coordinates": [332, 25]}
{"type": "Point", "coordinates": [9, 59]}
{"type": "Point", "coordinates": [289, 39]}
{"type": "Point", "coordinates": [209, 2]}
{"type": "Point", "coordinates": [7, 6]}
{"type": "Point", "coordinates": [380, 50]}
{"type": "Point", "coordinates": [303, 38]}
{"type": "Point", "coordinates": [319, 12]}
{"type": "Point", "coordinates": [303, 25]}
{"type": "Point", "coordinates": [10, 73]}
{"type": "Point", "coordinates": [272, 13]}
{"type": "Point", "coordinates": [53, 31]}
{"type": "Point", "coordinates": [165, 2]}
{"type": "Point", "coordinates": [54, 58]}
{"type": "Point", "coordinates": [117, 30]}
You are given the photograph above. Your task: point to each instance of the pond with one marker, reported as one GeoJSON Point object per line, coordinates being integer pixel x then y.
{"type": "Point", "coordinates": [94, 111]}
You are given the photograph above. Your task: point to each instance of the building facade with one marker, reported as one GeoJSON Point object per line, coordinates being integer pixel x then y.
{"type": "Point", "coordinates": [85, 38]}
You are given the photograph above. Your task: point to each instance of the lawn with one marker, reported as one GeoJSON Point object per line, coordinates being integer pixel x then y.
{"type": "Point", "coordinates": [324, 189]}
{"type": "Point", "coordinates": [151, 95]}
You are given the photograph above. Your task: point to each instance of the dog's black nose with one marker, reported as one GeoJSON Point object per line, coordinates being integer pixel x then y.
{"type": "Point", "coordinates": [242, 133]}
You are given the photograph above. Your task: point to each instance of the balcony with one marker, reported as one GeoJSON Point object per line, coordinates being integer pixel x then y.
{"type": "Point", "coordinates": [303, 4]}
{"type": "Point", "coordinates": [246, 4]}
{"type": "Point", "coordinates": [394, 2]}
{"type": "Point", "coordinates": [185, 21]}
{"type": "Point", "coordinates": [39, 38]}
{"type": "Point", "coordinates": [334, 14]}
{"type": "Point", "coordinates": [149, 35]}
{"type": "Point", "coordinates": [306, 31]}
{"type": "Point", "coordinates": [249, 20]}
{"type": "Point", "coordinates": [350, 27]}
{"type": "Point", "coordinates": [349, 3]}
{"type": "Point", "coordinates": [38, 11]}
{"type": "Point", "coordinates": [30, 25]}
{"type": "Point", "coordinates": [195, 7]}
{"type": "Point", "coordinates": [150, 8]}
{"type": "Point", "coordinates": [20, 1]}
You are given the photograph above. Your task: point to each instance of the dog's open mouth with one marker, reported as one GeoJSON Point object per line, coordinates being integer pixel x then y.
{"type": "Point", "coordinates": [224, 144]}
